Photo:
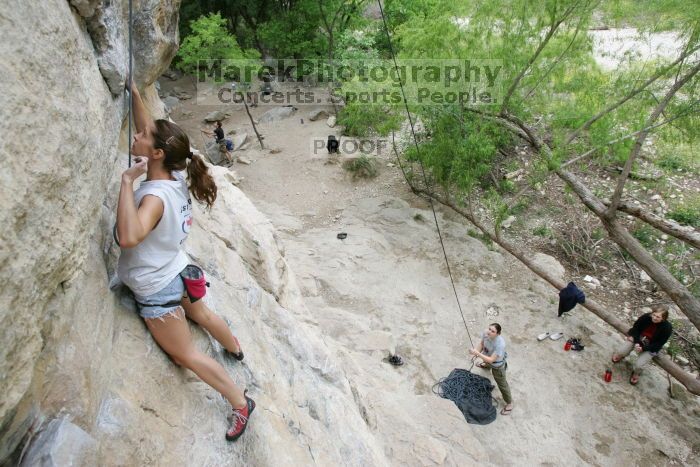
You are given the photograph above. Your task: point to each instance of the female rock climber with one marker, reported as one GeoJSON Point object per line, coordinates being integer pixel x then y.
{"type": "Point", "coordinates": [646, 337]}
{"type": "Point", "coordinates": [492, 351]}
{"type": "Point", "coordinates": [152, 224]}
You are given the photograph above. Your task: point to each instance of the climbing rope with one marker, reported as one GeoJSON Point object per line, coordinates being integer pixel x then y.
{"type": "Point", "coordinates": [420, 161]}
{"type": "Point", "coordinates": [471, 393]}
{"type": "Point", "coordinates": [130, 77]}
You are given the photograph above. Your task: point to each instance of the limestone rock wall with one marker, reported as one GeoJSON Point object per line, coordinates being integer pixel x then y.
{"type": "Point", "coordinates": [77, 366]}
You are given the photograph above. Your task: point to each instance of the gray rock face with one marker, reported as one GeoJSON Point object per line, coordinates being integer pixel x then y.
{"type": "Point", "coordinates": [61, 443]}
{"type": "Point", "coordinates": [278, 113]}
{"type": "Point", "coordinates": [74, 351]}
{"type": "Point", "coordinates": [154, 37]}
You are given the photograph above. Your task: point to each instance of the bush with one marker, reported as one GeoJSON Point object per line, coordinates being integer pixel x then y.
{"type": "Point", "coordinates": [364, 120]}
{"type": "Point", "coordinates": [542, 231]}
{"type": "Point", "coordinates": [485, 239]}
{"type": "Point", "coordinates": [687, 214]}
{"type": "Point", "coordinates": [645, 235]}
{"type": "Point", "coordinates": [678, 157]}
{"type": "Point", "coordinates": [362, 167]}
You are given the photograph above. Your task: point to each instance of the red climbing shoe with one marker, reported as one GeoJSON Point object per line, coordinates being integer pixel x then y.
{"type": "Point", "coordinates": [240, 420]}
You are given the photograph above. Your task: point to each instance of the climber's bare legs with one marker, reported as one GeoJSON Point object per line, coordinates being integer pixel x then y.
{"type": "Point", "coordinates": [172, 333]}
{"type": "Point", "coordinates": [200, 313]}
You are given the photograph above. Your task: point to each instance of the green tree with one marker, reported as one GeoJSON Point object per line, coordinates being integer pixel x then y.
{"type": "Point", "coordinates": [210, 40]}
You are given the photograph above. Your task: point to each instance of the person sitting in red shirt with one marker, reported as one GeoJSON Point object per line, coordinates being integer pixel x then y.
{"type": "Point", "coordinates": [646, 337]}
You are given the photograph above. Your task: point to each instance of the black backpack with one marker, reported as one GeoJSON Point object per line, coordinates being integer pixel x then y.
{"type": "Point", "coordinates": [471, 393]}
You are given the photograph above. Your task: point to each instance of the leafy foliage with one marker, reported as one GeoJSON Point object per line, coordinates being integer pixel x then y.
{"type": "Point", "coordinates": [210, 40]}
{"type": "Point", "coordinates": [367, 120]}
{"type": "Point", "coordinates": [362, 166]}
{"type": "Point", "coordinates": [687, 213]}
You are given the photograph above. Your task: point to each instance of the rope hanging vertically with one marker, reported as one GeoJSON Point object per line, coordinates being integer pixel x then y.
{"type": "Point", "coordinates": [130, 78]}
{"type": "Point", "coordinates": [420, 161]}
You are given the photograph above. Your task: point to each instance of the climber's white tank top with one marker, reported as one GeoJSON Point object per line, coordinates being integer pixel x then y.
{"type": "Point", "coordinates": [152, 264]}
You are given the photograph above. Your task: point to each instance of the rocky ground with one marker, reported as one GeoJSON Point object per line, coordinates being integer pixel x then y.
{"type": "Point", "coordinates": [385, 289]}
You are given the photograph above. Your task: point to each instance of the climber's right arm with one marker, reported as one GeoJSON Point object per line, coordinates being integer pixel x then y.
{"type": "Point", "coordinates": [134, 224]}
{"type": "Point", "coordinates": [141, 115]}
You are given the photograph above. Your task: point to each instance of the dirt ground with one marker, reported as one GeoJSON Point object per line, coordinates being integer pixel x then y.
{"type": "Point", "coordinates": [385, 288]}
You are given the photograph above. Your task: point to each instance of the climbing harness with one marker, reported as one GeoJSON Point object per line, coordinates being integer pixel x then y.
{"type": "Point", "coordinates": [425, 179]}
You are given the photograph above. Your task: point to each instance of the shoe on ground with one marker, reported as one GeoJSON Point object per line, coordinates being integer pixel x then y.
{"type": "Point", "coordinates": [634, 379]}
{"type": "Point", "coordinates": [240, 420]}
{"type": "Point", "coordinates": [396, 360]}
{"type": "Point", "coordinates": [556, 336]}
{"type": "Point", "coordinates": [543, 336]}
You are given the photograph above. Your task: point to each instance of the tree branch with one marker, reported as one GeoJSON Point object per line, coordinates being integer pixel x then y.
{"type": "Point", "coordinates": [557, 60]}
{"type": "Point", "coordinates": [686, 234]}
{"type": "Point", "coordinates": [629, 96]}
{"type": "Point", "coordinates": [628, 136]}
{"type": "Point", "coordinates": [677, 291]}
{"type": "Point", "coordinates": [686, 379]}
{"type": "Point", "coordinates": [552, 29]}
{"type": "Point", "coordinates": [615, 201]}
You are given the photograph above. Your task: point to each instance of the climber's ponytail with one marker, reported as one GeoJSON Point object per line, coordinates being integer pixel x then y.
{"type": "Point", "coordinates": [202, 184]}
{"type": "Point", "coordinates": [174, 142]}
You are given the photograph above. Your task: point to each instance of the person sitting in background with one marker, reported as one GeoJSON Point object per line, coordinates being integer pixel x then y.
{"type": "Point", "coordinates": [646, 337]}
{"type": "Point", "coordinates": [224, 144]}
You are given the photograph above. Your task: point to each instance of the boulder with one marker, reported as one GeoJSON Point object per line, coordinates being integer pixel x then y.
{"type": "Point", "coordinates": [550, 265]}
{"type": "Point", "coordinates": [318, 114]}
{"type": "Point", "coordinates": [276, 114]}
{"type": "Point", "coordinates": [213, 153]}
{"type": "Point", "coordinates": [172, 74]}
{"type": "Point", "coordinates": [239, 141]}
{"type": "Point", "coordinates": [215, 116]}
{"type": "Point", "coordinates": [170, 103]}
{"type": "Point", "coordinates": [233, 177]}
{"type": "Point", "coordinates": [508, 222]}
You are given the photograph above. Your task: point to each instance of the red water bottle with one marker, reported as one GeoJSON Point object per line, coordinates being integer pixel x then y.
{"type": "Point", "coordinates": [608, 375]}
{"type": "Point", "coordinates": [567, 346]}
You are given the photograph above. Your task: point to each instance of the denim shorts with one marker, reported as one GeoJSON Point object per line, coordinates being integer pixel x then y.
{"type": "Point", "coordinates": [165, 301]}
